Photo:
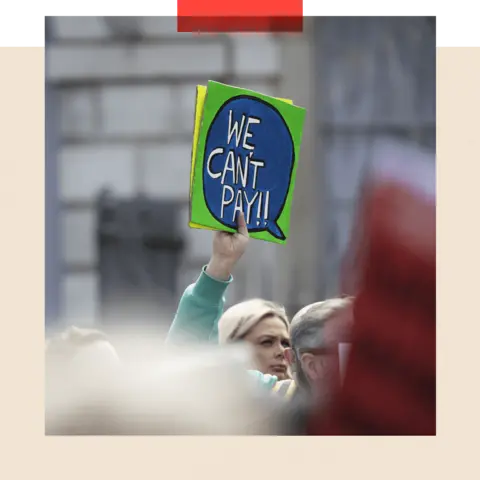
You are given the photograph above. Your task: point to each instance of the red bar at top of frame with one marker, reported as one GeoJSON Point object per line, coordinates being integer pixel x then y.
{"type": "Point", "coordinates": [246, 24]}
{"type": "Point", "coordinates": [217, 16]}
{"type": "Point", "coordinates": [245, 8]}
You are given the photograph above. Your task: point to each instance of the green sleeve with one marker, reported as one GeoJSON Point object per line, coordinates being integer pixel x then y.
{"type": "Point", "coordinates": [199, 310]}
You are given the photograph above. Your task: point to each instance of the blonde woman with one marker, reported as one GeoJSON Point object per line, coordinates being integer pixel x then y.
{"type": "Point", "coordinates": [200, 316]}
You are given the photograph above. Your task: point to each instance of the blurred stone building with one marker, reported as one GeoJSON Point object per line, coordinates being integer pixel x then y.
{"type": "Point", "coordinates": [120, 93]}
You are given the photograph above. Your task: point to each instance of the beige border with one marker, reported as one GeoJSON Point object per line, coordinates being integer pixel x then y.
{"type": "Point", "coordinates": [458, 144]}
{"type": "Point", "coordinates": [26, 454]}
{"type": "Point", "coordinates": [21, 257]}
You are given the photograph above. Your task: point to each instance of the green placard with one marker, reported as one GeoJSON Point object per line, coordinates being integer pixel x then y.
{"type": "Point", "coordinates": [245, 157]}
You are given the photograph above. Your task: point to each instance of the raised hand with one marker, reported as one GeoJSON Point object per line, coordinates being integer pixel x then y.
{"type": "Point", "coordinates": [227, 250]}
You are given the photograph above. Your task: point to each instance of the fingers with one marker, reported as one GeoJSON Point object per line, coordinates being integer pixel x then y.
{"type": "Point", "coordinates": [242, 225]}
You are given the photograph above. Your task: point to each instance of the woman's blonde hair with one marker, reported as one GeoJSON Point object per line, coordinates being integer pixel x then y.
{"type": "Point", "coordinates": [239, 319]}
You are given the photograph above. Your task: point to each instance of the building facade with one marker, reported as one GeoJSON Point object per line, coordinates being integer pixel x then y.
{"type": "Point", "coordinates": [120, 98]}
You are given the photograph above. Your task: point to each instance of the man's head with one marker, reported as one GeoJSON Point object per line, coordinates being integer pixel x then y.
{"type": "Point", "coordinates": [315, 332]}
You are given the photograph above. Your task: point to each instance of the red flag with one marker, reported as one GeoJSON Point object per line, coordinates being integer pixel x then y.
{"type": "Point", "coordinates": [390, 382]}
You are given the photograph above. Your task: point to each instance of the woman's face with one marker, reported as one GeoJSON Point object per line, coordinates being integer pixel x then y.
{"type": "Point", "coordinates": [269, 339]}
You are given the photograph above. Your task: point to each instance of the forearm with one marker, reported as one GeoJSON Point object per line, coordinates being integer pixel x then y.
{"type": "Point", "coordinates": [201, 306]}
{"type": "Point", "coordinates": [220, 269]}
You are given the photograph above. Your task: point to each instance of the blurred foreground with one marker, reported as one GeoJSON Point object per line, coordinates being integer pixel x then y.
{"type": "Point", "coordinates": [196, 391]}
{"type": "Point", "coordinates": [389, 387]}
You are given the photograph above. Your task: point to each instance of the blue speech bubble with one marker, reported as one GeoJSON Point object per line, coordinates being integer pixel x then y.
{"type": "Point", "coordinates": [249, 158]}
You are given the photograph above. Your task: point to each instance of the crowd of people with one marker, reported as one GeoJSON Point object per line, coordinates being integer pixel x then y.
{"type": "Point", "coordinates": [288, 380]}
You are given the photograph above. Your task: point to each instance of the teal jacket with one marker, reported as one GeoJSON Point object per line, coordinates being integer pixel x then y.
{"type": "Point", "coordinates": [198, 313]}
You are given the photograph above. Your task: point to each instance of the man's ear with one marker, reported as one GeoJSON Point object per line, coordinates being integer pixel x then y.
{"type": "Point", "coordinates": [311, 367]}
{"type": "Point", "coordinates": [290, 356]}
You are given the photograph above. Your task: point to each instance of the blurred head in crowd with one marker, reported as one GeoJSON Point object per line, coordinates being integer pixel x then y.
{"type": "Point", "coordinates": [76, 351]}
{"type": "Point", "coordinates": [315, 333]}
{"type": "Point", "coordinates": [75, 344]}
{"type": "Point", "coordinates": [264, 325]}
{"type": "Point", "coordinates": [194, 391]}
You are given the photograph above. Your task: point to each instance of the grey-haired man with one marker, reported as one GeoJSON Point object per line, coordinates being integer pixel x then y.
{"type": "Point", "coordinates": [315, 332]}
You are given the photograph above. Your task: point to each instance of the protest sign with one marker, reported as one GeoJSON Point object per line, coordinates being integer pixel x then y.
{"type": "Point", "coordinates": [244, 159]}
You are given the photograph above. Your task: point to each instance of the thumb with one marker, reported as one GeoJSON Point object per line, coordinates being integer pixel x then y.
{"type": "Point", "coordinates": [242, 225]}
